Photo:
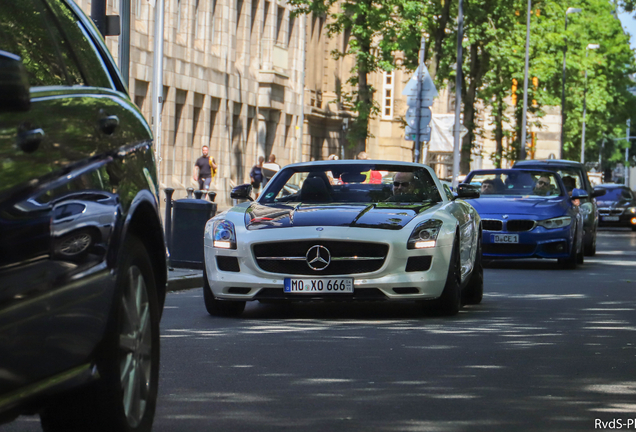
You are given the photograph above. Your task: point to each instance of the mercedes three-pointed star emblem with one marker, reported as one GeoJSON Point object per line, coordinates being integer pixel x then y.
{"type": "Point", "coordinates": [318, 257]}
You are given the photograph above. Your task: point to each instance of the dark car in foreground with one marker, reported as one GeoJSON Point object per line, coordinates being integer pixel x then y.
{"type": "Point", "coordinates": [577, 174]}
{"type": "Point", "coordinates": [528, 214]}
{"type": "Point", "coordinates": [617, 207]}
{"type": "Point", "coordinates": [82, 255]}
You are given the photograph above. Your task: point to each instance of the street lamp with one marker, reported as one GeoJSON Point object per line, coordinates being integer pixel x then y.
{"type": "Point", "coordinates": [565, 48]}
{"type": "Point", "coordinates": [522, 144]}
{"type": "Point", "coordinates": [587, 50]}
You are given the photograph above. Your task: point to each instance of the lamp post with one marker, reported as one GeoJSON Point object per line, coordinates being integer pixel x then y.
{"type": "Point", "coordinates": [522, 144]}
{"type": "Point", "coordinates": [587, 50]}
{"type": "Point", "coordinates": [565, 49]}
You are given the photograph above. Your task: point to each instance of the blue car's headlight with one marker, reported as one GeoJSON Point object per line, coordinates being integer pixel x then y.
{"type": "Point", "coordinates": [425, 235]}
{"type": "Point", "coordinates": [560, 222]}
{"type": "Point", "coordinates": [632, 210]}
{"type": "Point", "coordinates": [224, 234]}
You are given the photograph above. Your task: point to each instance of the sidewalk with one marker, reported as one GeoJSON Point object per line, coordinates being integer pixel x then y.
{"type": "Point", "coordinates": [182, 279]}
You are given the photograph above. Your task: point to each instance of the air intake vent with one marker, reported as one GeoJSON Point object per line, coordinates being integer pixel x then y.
{"type": "Point", "coordinates": [519, 225]}
{"type": "Point", "coordinates": [228, 264]}
{"type": "Point", "coordinates": [491, 225]}
{"type": "Point", "coordinates": [418, 263]}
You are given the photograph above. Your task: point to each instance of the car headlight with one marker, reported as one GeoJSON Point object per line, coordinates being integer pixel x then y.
{"type": "Point", "coordinates": [425, 235]}
{"type": "Point", "coordinates": [632, 210]}
{"type": "Point", "coordinates": [223, 234]}
{"type": "Point", "coordinates": [560, 222]}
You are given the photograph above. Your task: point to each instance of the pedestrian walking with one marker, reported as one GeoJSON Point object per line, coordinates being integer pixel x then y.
{"type": "Point", "coordinates": [204, 169]}
{"type": "Point", "coordinates": [256, 176]}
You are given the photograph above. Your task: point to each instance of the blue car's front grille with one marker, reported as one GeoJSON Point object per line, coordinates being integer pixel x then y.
{"type": "Point", "coordinates": [491, 224]}
{"type": "Point", "coordinates": [519, 225]}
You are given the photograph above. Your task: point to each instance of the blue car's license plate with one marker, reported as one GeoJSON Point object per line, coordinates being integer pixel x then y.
{"type": "Point", "coordinates": [504, 238]}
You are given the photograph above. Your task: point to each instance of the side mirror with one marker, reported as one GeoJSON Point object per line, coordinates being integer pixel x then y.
{"type": "Point", "coordinates": [14, 83]}
{"type": "Point", "coordinates": [465, 190]}
{"type": "Point", "coordinates": [599, 192]}
{"type": "Point", "coordinates": [579, 193]}
{"type": "Point", "coordinates": [242, 192]}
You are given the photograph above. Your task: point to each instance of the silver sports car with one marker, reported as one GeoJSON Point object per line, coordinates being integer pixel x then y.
{"type": "Point", "coordinates": [350, 231]}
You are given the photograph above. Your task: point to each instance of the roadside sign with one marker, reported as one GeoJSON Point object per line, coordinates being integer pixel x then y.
{"type": "Point", "coordinates": [410, 134]}
{"type": "Point", "coordinates": [425, 117]}
{"type": "Point", "coordinates": [462, 131]}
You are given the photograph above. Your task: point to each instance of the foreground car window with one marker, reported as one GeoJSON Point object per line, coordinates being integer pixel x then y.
{"type": "Point", "coordinates": [24, 32]}
{"type": "Point", "coordinates": [353, 184]}
{"type": "Point", "coordinates": [536, 183]}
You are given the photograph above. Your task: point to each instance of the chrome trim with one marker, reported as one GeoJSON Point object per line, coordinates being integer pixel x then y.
{"type": "Point", "coordinates": [353, 258]}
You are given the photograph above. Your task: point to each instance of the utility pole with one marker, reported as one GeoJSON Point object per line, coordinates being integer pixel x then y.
{"type": "Point", "coordinates": [458, 91]}
{"type": "Point", "coordinates": [157, 81]}
{"type": "Point", "coordinates": [522, 144]}
{"type": "Point", "coordinates": [98, 15]}
{"type": "Point", "coordinates": [627, 155]}
{"type": "Point", "coordinates": [124, 40]}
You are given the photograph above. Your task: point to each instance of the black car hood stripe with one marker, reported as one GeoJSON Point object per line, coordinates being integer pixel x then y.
{"type": "Point", "coordinates": [379, 215]}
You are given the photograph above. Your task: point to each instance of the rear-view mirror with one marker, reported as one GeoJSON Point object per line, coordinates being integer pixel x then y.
{"type": "Point", "coordinates": [243, 191]}
{"type": "Point", "coordinates": [465, 190]}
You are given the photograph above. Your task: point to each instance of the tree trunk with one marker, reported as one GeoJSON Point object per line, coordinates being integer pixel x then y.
{"type": "Point", "coordinates": [470, 111]}
{"type": "Point", "coordinates": [439, 34]}
{"type": "Point", "coordinates": [499, 131]}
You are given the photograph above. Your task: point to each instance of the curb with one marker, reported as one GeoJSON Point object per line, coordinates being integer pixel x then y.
{"type": "Point", "coordinates": [180, 282]}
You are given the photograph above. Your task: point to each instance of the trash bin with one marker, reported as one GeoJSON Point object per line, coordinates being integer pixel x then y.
{"type": "Point", "coordinates": [189, 217]}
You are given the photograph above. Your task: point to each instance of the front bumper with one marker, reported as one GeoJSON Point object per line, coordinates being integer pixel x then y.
{"type": "Point", "coordinates": [247, 281]}
{"type": "Point", "coordinates": [537, 243]}
{"type": "Point", "coordinates": [624, 220]}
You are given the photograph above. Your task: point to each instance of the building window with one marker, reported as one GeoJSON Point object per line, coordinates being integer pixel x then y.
{"type": "Point", "coordinates": [387, 93]}
{"type": "Point", "coordinates": [290, 29]}
{"type": "Point", "coordinates": [280, 15]}
{"type": "Point", "coordinates": [213, 21]}
{"type": "Point", "coordinates": [197, 24]}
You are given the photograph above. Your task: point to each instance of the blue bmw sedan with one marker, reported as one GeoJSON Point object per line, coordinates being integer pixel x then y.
{"type": "Point", "coordinates": [528, 214]}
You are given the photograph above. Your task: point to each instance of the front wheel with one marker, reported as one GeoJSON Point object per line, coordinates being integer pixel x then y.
{"type": "Point", "coordinates": [216, 307]}
{"type": "Point", "coordinates": [570, 262]}
{"type": "Point", "coordinates": [590, 245]}
{"type": "Point", "coordinates": [474, 291]}
{"type": "Point", "coordinates": [124, 398]}
{"type": "Point", "coordinates": [450, 302]}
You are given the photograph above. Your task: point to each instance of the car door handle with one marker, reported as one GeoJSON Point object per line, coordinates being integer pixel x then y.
{"type": "Point", "coordinates": [29, 141]}
{"type": "Point", "coordinates": [108, 124]}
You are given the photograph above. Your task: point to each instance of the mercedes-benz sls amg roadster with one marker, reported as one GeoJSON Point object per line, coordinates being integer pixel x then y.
{"type": "Point", "coordinates": [346, 231]}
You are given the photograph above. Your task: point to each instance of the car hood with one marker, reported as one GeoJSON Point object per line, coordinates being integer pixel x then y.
{"type": "Point", "coordinates": [529, 207]}
{"type": "Point", "coordinates": [616, 204]}
{"type": "Point", "coordinates": [379, 215]}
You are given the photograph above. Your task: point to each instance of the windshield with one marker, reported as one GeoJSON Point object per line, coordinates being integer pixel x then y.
{"type": "Point", "coordinates": [519, 183]}
{"type": "Point", "coordinates": [352, 183]}
{"type": "Point", "coordinates": [617, 194]}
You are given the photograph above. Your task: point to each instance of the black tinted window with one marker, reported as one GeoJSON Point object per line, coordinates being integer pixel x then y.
{"type": "Point", "coordinates": [82, 53]}
{"type": "Point", "coordinates": [24, 31]}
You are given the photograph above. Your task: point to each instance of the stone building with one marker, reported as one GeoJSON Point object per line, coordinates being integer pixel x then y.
{"type": "Point", "coordinates": [233, 80]}
{"type": "Point", "coordinates": [246, 79]}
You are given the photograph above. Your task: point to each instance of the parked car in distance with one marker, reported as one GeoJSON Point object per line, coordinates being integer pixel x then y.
{"type": "Point", "coordinates": [323, 231]}
{"type": "Point", "coordinates": [82, 254]}
{"type": "Point", "coordinates": [617, 207]}
{"type": "Point", "coordinates": [528, 214]}
{"type": "Point", "coordinates": [588, 206]}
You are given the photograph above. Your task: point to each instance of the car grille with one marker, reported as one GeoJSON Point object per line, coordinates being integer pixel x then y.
{"type": "Point", "coordinates": [491, 224]}
{"type": "Point", "coordinates": [519, 225]}
{"type": "Point", "coordinates": [500, 248]}
{"type": "Point", "coordinates": [346, 257]}
{"type": "Point", "coordinates": [610, 212]}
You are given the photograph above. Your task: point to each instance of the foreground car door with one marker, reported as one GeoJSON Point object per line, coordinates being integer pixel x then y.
{"type": "Point", "coordinates": [60, 185]}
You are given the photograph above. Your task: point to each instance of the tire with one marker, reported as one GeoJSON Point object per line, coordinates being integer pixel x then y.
{"type": "Point", "coordinates": [124, 398]}
{"type": "Point", "coordinates": [580, 257]}
{"type": "Point", "coordinates": [570, 262]}
{"type": "Point", "coordinates": [590, 245]}
{"type": "Point", "coordinates": [450, 302]}
{"type": "Point", "coordinates": [216, 307]}
{"type": "Point", "coordinates": [473, 293]}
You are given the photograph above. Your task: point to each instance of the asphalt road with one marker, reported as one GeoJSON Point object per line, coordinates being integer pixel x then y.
{"type": "Point", "coordinates": [547, 350]}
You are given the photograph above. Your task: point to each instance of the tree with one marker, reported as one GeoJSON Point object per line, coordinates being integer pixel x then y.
{"type": "Point", "coordinates": [378, 30]}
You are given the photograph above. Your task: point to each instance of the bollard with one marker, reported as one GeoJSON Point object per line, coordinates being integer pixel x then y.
{"type": "Point", "coordinates": [212, 196]}
{"type": "Point", "coordinates": [198, 194]}
{"type": "Point", "coordinates": [190, 190]}
{"type": "Point", "coordinates": [168, 219]}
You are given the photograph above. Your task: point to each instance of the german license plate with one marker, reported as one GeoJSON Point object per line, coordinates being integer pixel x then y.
{"type": "Point", "coordinates": [505, 238]}
{"type": "Point", "coordinates": [610, 218]}
{"type": "Point", "coordinates": [319, 286]}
